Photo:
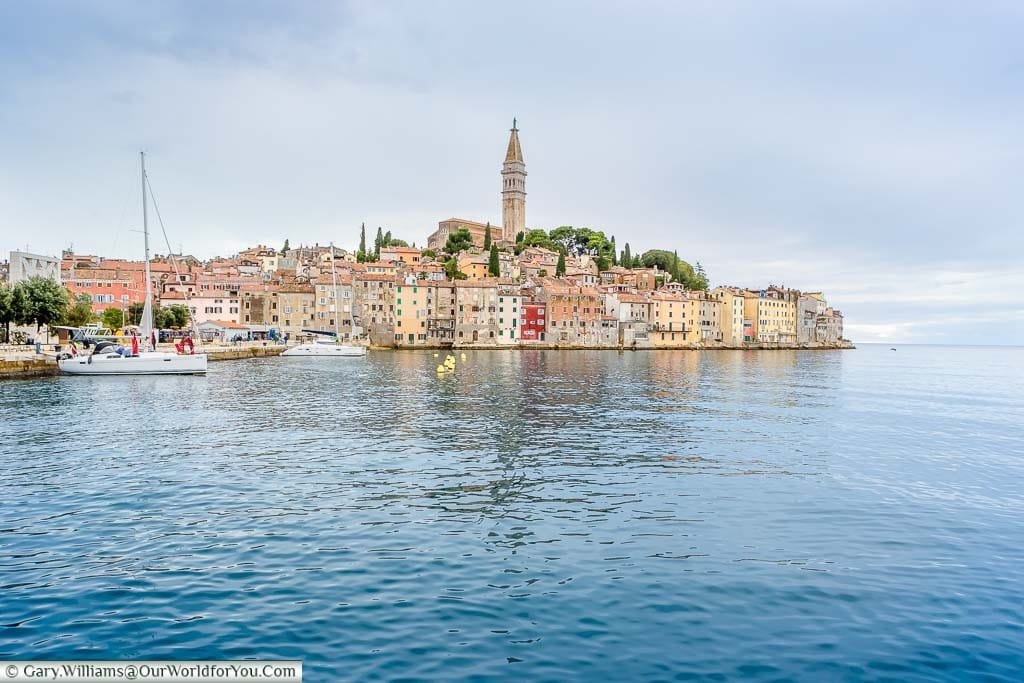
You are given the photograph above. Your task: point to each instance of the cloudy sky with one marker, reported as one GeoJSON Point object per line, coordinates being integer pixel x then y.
{"type": "Point", "coordinates": [870, 150]}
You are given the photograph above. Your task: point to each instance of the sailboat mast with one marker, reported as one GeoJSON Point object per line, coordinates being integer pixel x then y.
{"type": "Point", "coordinates": [337, 302]}
{"type": "Point", "coordinates": [147, 308]}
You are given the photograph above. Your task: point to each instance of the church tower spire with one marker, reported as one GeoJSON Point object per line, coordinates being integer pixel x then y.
{"type": "Point", "coordinates": [513, 189]}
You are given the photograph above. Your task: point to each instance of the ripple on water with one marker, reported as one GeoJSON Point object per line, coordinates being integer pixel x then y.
{"type": "Point", "coordinates": [546, 515]}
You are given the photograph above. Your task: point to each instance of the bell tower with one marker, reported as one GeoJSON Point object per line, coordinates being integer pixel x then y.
{"type": "Point", "coordinates": [513, 189]}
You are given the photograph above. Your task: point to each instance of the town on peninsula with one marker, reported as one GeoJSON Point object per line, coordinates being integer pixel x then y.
{"type": "Point", "coordinates": [471, 284]}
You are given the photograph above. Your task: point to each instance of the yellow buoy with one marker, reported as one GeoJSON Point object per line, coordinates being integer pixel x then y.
{"type": "Point", "coordinates": [440, 369]}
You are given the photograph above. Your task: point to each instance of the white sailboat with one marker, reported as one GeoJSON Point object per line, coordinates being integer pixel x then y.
{"type": "Point", "coordinates": [331, 347]}
{"type": "Point", "coordinates": [109, 358]}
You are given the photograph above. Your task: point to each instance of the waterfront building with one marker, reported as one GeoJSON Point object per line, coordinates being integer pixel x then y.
{"type": "Point", "coordinates": [776, 316]}
{"type": "Point", "coordinates": [374, 297]}
{"type": "Point", "coordinates": [573, 312]}
{"type": "Point", "coordinates": [513, 189]}
{"type": "Point", "coordinates": [223, 331]}
{"type": "Point", "coordinates": [206, 306]}
{"type": "Point", "coordinates": [476, 316]}
{"type": "Point", "coordinates": [532, 321]}
{"type": "Point", "coordinates": [442, 299]}
{"type": "Point", "coordinates": [809, 306]}
{"type": "Point", "coordinates": [327, 308]}
{"type": "Point", "coordinates": [710, 312]}
{"type": "Point", "coordinates": [509, 303]}
{"type": "Point", "coordinates": [668, 318]}
{"type": "Point", "coordinates": [295, 303]}
{"type": "Point", "coordinates": [412, 312]}
{"type": "Point", "coordinates": [829, 328]}
{"type": "Point", "coordinates": [731, 314]}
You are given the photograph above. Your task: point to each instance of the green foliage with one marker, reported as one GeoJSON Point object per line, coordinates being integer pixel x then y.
{"type": "Point", "coordinates": [537, 238]}
{"type": "Point", "coordinates": [519, 236]}
{"type": "Point", "coordinates": [395, 242]}
{"type": "Point", "coordinates": [603, 263]}
{"type": "Point", "coordinates": [6, 310]}
{"type": "Point", "coordinates": [487, 238]}
{"type": "Point", "coordinates": [42, 301]}
{"type": "Point", "coordinates": [285, 248]}
{"type": "Point", "coordinates": [79, 311]}
{"type": "Point", "coordinates": [458, 240]}
{"type": "Point", "coordinates": [135, 313]}
{"type": "Point", "coordinates": [451, 268]}
{"type": "Point", "coordinates": [361, 252]}
{"type": "Point", "coordinates": [560, 267]}
{"type": "Point", "coordinates": [614, 252]}
{"type": "Point", "coordinates": [378, 242]}
{"type": "Point", "coordinates": [428, 253]}
{"type": "Point", "coordinates": [177, 315]}
{"type": "Point", "coordinates": [494, 264]}
{"type": "Point", "coordinates": [626, 259]}
{"type": "Point", "coordinates": [112, 318]}
{"type": "Point", "coordinates": [699, 280]}
{"type": "Point", "coordinates": [658, 257]}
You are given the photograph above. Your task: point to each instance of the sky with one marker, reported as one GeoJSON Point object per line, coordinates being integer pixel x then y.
{"type": "Point", "coordinates": [869, 150]}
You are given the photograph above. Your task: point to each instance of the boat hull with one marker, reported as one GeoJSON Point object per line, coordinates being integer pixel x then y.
{"type": "Point", "coordinates": [143, 364]}
{"type": "Point", "coordinates": [325, 350]}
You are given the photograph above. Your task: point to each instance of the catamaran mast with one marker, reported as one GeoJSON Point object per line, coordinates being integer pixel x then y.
{"type": "Point", "coordinates": [337, 302]}
{"type": "Point", "coordinates": [146, 324]}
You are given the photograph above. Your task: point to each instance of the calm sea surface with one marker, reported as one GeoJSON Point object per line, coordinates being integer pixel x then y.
{"type": "Point", "coordinates": [850, 515]}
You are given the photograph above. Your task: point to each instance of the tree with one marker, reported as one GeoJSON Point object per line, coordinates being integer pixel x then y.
{"type": "Point", "coordinates": [46, 302]}
{"type": "Point", "coordinates": [494, 265]}
{"type": "Point", "coordinates": [658, 257]}
{"type": "Point", "coordinates": [627, 258]}
{"type": "Point", "coordinates": [19, 309]}
{"type": "Point", "coordinates": [361, 252]}
{"type": "Point", "coordinates": [176, 315]}
{"type": "Point", "coordinates": [6, 310]}
{"type": "Point", "coordinates": [673, 269]}
{"type": "Point", "coordinates": [451, 269]}
{"type": "Point", "coordinates": [378, 242]}
{"type": "Point", "coordinates": [487, 238]}
{"type": "Point", "coordinates": [112, 318]}
{"type": "Point", "coordinates": [79, 311]}
{"type": "Point", "coordinates": [395, 242]}
{"type": "Point", "coordinates": [538, 238]}
{"type": "Point", "coordinates": [560, 267]}
{"type": "Point", "coordinates": [699, 279]}
{"type": "Point", "coordinates": [285, 248]}
{"type": "Point", "coordinates": [428, 253]}
{"type": "Point", "coordinates": [519, 236]}
{"type": "Point", "coordinates": [135, 313]}
{"type": "Point", "coordinates": [458, 240]}
{"type": "Point", "coordinates": [614, 252]}
{"type": "Point", "coordinates": [603, 263]}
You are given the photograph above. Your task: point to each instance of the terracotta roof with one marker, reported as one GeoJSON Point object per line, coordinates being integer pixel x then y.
{"type": "Point", "coordinates": [225, 323]}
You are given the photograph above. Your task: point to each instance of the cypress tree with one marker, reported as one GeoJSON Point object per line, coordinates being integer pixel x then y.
{"type": "Point", "coordinates": [613, 254]}
{"type": "Point", "coordinates": [487, 238]}
{"type": "Point", "coordinates": [361, 253]}
{"type": "Point", "coordinates": [494, 266]}
{"type": "Point", "coordinates": [560, 268]}
{"type": "Point", "coordinates": [627, 258]}
{"type": "Point", "coordinates": [378, 243]}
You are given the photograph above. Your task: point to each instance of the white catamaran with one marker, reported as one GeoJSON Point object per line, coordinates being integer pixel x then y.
{"type": "Point", "coordinates": [109, 358]}
{"type": "Point", "coordinates": [329, 347]}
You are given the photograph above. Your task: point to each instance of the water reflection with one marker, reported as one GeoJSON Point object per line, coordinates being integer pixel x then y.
{"type": "Point", "coordinates": [546, 515]}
